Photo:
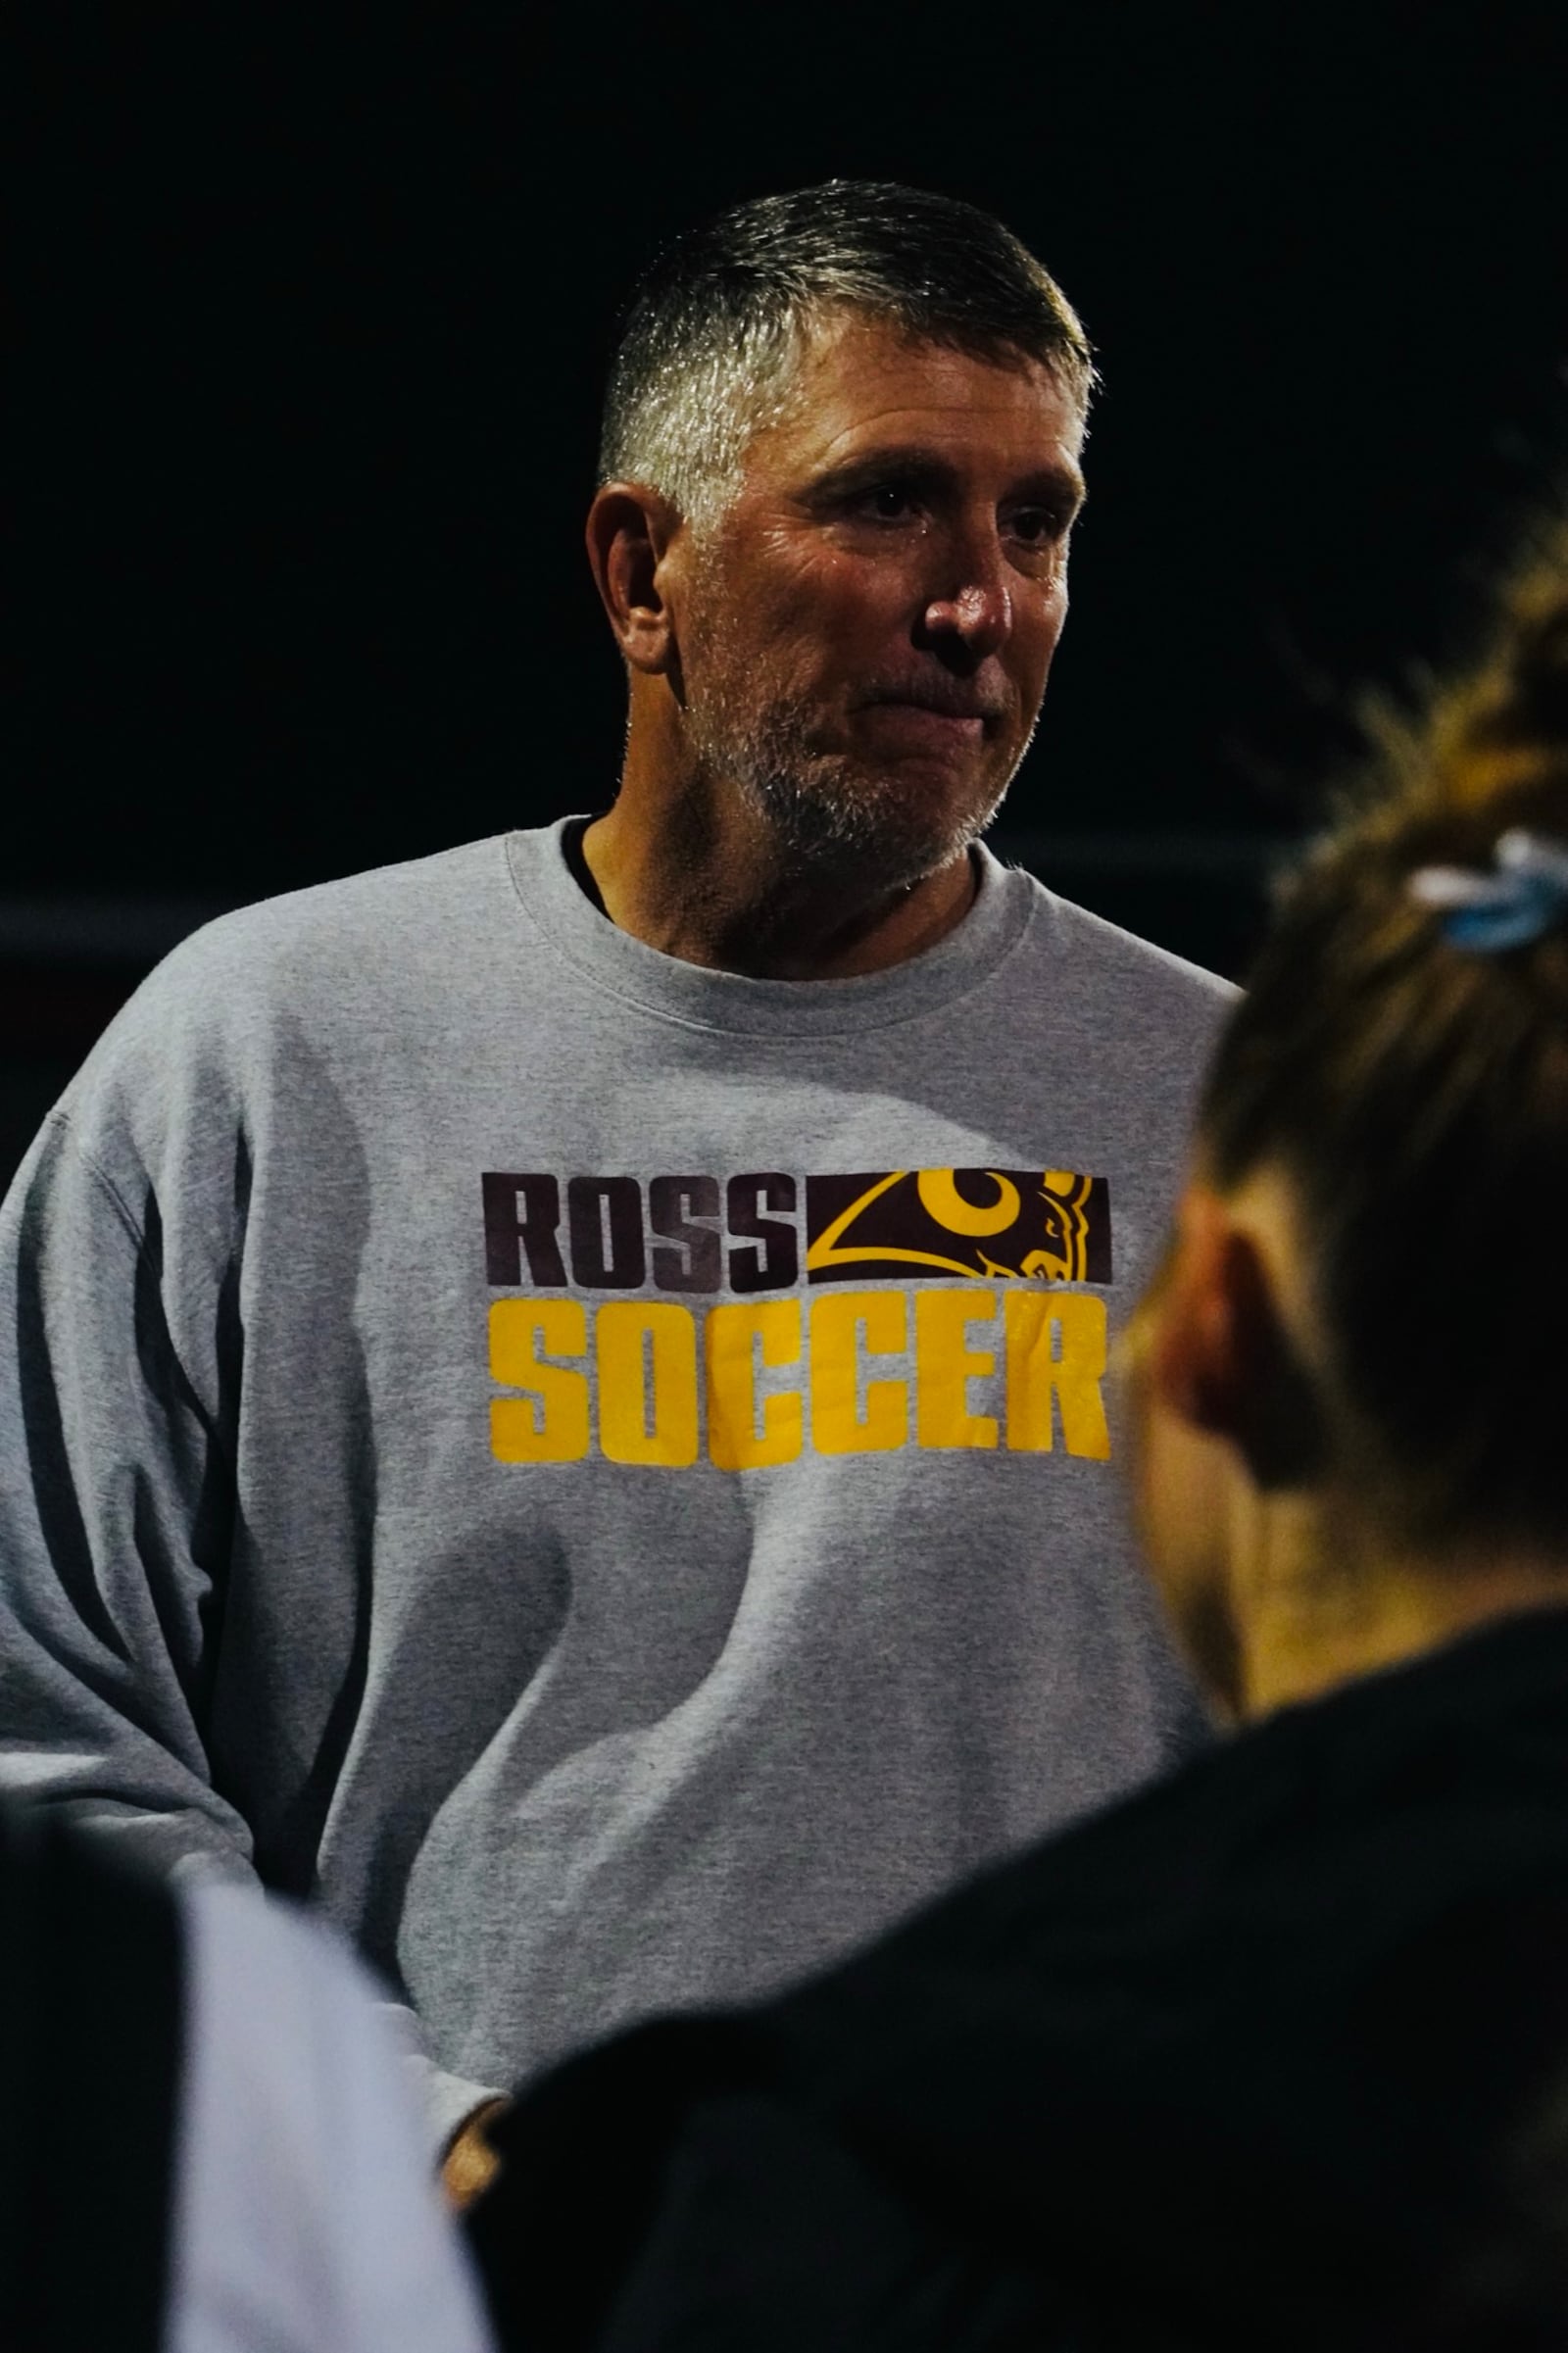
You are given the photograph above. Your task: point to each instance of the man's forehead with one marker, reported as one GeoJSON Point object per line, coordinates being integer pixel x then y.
{"type": "Point", "coordinates": [864, 382]}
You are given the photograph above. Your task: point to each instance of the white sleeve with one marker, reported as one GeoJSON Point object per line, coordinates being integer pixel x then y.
{"type": "Point", "coordinates": [444, 2101]}
{"type": "Point", "coordinates": [306, 2217]}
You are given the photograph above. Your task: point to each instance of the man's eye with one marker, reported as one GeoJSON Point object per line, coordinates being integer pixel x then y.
{"type": "Point", "coordinates": [888, 502]}
{"type": "Point", "coordinates": [1036, 526]}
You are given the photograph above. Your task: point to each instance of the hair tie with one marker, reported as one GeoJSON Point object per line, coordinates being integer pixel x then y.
{"type": "Point", "coordinates": [1523, 900]}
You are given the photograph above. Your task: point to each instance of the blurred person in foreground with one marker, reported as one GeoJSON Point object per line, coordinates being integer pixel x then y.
{"type": "Point", "coordinates": [477, 1336]}
{"type": "Point", "coordinates": [1247, 2059]}
{"type": "Point", "coordinates": [208, 2140]}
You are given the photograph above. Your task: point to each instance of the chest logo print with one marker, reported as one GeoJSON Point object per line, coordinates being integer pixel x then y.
{"type": "Point", "coordinates": [992, 1224]}
{"type": "Point", "coordinates": [667, 1320]}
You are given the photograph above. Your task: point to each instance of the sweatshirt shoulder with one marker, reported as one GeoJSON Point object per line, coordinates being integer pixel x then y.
{"type": "Point", "coordinates": [1097, 964]}
{"type": "Point", "coordinates": [366, 923]}
{"type": "Point", "coordinates": [334, 968]}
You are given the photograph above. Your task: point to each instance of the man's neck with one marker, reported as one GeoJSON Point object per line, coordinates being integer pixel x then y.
{"type": "Point", "coordinates": [712, 890]}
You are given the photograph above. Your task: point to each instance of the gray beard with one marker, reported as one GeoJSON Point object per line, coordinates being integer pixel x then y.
{"type": "Point", "coordinates": [824, 812]}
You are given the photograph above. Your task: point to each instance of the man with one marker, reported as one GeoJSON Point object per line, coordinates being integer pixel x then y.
{"type": "Point", "coordinates": [556, 1390]}
{"type": "Point", "coordinates": [1271, 2053]}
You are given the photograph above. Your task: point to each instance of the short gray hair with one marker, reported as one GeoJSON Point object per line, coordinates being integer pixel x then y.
{"type": "Point", "coordinates": [718, 323]}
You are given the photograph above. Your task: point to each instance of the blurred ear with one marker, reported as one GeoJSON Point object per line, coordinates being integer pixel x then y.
{"type": "Point", "coordinates": [630, 530]}
{"type": "Point", "coordinates": [1223, 1359]}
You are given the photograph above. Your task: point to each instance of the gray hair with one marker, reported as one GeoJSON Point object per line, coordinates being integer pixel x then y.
{"type": "Point", "coordinates": [718, 325]}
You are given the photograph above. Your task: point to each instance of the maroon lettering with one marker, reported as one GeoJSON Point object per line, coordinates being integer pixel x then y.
{"type": "Point", "coordinates": [521, 1213]}
{"type": "Point", "coordinates": [775, 1265]}
{"type": "Point", "coordinates": [605, 1219]}
{"type": "Point", "coordinates": [684, 1210]}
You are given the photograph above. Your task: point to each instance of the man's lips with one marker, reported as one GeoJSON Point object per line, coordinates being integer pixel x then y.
{"type": "Point", "coordinates": [940, 701]}
{"type": "Point", "coordinates": [921, 724]}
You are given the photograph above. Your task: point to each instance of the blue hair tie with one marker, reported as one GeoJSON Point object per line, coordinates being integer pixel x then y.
{"type": "Point", "coordinates": [1522, 900]}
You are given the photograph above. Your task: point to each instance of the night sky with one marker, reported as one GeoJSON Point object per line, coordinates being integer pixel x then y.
{"type": "Point", "coordinates": [315, 326]}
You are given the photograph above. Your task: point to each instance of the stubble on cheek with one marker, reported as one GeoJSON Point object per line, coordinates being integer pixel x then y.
{"type": "Point", "coordinates": [762, 721]}
{"type": "Point", "coordinates": [786, 744]}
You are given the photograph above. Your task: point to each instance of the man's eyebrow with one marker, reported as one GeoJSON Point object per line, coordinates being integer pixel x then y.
{"type": "Point", "coordinates": [911, 462]}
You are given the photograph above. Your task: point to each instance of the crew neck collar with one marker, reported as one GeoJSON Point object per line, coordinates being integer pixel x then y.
{"type": "Point", "coordinates": [692, 994]}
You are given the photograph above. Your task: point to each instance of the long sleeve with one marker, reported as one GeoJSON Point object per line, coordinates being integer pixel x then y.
{"type": "Point", "coordinates": [116, 1516]}
{"type": "Point", "coordinates": [115, 1508]}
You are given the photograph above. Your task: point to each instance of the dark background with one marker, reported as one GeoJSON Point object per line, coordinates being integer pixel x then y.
{"type": "Point", "coordinates": [315, 322]}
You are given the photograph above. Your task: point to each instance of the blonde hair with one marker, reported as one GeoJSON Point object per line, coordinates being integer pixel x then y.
{"type": "Point", "coordinates": [1415, 1091]}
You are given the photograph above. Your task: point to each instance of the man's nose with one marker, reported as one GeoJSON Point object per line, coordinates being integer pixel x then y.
{"type": "Point", "coordinates": [973, 606]}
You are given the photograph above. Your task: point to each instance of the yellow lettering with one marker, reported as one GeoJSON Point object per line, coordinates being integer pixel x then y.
{"type": "Point", "coordinates": [736, 1335]}
{"type": "Point", "coordinates": [645, 1353]}
{"type": "Point", "coordinates": [947, 1364]}
{"type": "Point", "coordinates": [633, 1339]}
{"type": "Point", "coordinates": [551, 1424]}
{"type": "Point", "coordinates": [1057, 1349]}
{"type": "Point", "coordinates": [838, 1318]}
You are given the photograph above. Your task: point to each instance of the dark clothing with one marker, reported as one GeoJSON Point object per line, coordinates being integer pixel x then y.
{"type": "Point", "coordinates": [1229, 2063]}
{"type": "Point", "coordinates": [90, 2020]}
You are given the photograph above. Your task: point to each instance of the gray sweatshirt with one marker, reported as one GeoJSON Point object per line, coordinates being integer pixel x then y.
{"type": "Point", "coordinates": [601, 1471]}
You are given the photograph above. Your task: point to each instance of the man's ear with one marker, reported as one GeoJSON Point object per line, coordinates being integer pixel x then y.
{"type": "Point", "coordinates": [629, 532]}
{"type": "Point", "coordinates": [1224, 1360]}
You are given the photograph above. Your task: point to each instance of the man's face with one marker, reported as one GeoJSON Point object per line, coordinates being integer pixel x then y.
{"type": "Point", "coordinates": [864, 635]}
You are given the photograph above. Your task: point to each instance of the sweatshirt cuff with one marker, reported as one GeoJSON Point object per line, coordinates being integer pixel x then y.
{"type": "Point", "coordinates": [448, 2100]}
{"type": "Point", "coordinates": [445, 2100]}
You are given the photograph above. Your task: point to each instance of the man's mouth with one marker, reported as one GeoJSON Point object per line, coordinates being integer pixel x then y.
{"type": "Point", "coordinates": [953, 704]}
{"type": "Point", "coordinates": [933, 725]}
